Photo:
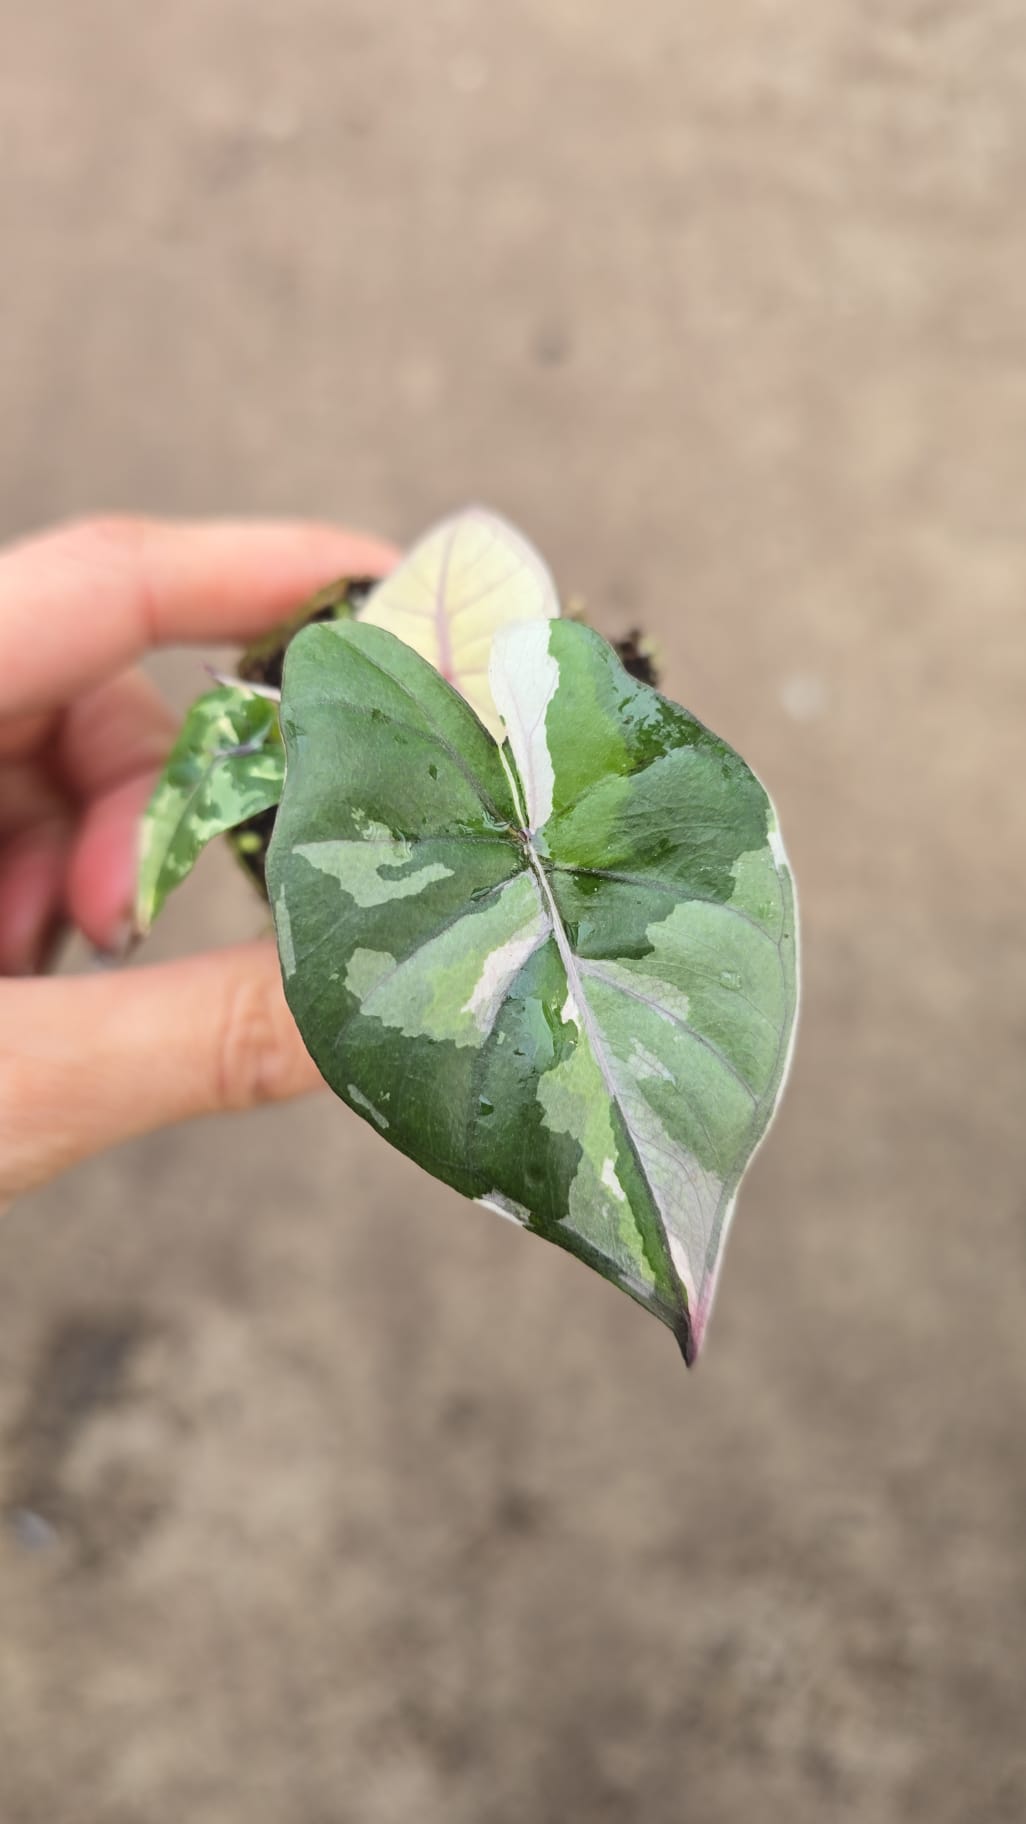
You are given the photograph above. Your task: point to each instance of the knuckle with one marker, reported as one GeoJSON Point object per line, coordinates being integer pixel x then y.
{"type": "Point", "coordinates": [253, 1055]}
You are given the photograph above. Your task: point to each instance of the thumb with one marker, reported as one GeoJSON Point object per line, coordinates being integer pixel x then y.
{"type": "Point", "coordinates": [87, 1061]}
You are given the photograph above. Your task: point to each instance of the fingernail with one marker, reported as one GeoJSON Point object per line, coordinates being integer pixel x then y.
{"type": "Point", "coordinates": [122, 942]}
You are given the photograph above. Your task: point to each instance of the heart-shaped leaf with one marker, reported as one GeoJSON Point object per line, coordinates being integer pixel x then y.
{"type": "Point", "coordinates": [226, 765]}
{"type": "Point", "coordinates": [560, 974]}
{"type": "Point", "coordinates": [465, 579]}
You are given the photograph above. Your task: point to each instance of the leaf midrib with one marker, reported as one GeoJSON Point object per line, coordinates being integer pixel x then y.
{"type": "Point", "coordinates": [591, 1028]}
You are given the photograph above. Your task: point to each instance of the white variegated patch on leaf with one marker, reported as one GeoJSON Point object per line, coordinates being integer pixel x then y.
{"type": "Point", "coordinates": [560, 973]}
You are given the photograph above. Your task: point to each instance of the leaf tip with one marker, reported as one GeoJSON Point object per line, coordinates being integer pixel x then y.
{"type": "Point", "coordinates": [687, 1342]}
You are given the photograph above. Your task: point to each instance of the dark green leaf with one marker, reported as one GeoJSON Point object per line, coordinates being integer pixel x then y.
{"type": "Point", "coordinates": [561, 975]}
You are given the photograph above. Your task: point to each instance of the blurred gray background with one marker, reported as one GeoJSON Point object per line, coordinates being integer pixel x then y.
{"type": "Point", "coordinates": [326, 1497]}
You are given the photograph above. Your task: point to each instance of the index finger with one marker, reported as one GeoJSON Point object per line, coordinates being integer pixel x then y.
{"type": "Point", "coordinates": [89, 598]}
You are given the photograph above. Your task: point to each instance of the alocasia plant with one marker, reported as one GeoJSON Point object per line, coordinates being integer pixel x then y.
{"type": "Point", "coordinates": [540, 934]}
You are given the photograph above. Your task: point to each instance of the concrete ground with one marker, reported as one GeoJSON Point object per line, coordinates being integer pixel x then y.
{"type": "Point", "coordinates": [327, 1498]}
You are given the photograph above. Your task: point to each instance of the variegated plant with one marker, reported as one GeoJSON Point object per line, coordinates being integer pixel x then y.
{"type": "Point", "coordinates": [548, 949]}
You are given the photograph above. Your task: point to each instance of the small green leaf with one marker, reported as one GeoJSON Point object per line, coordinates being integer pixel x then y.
{"type": "Point", "coordinates": [226, 765]}
{"type": "Point", "coordinates": [559, 974]}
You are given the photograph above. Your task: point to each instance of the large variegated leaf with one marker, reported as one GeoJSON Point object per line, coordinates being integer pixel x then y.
{"type": "Point", "coordinates": [559, 974]}
{"type": "Point", "coordinates": [467, 578]}
{"type": "Point", "coordinates": [226, 765]}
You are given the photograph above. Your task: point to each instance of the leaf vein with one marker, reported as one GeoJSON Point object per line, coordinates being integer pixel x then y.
{"type": "Point", "coordinates": [591, 967]}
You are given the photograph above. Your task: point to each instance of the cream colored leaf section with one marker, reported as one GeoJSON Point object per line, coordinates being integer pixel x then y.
{"type": "Point", "coordinates": [524, 678]}
{"type": "Point", "coordinates": [469, 577]}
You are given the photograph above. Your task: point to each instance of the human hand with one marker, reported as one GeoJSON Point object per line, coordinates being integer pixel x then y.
{"type": "Point", "coordinates": [87, 1061]}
